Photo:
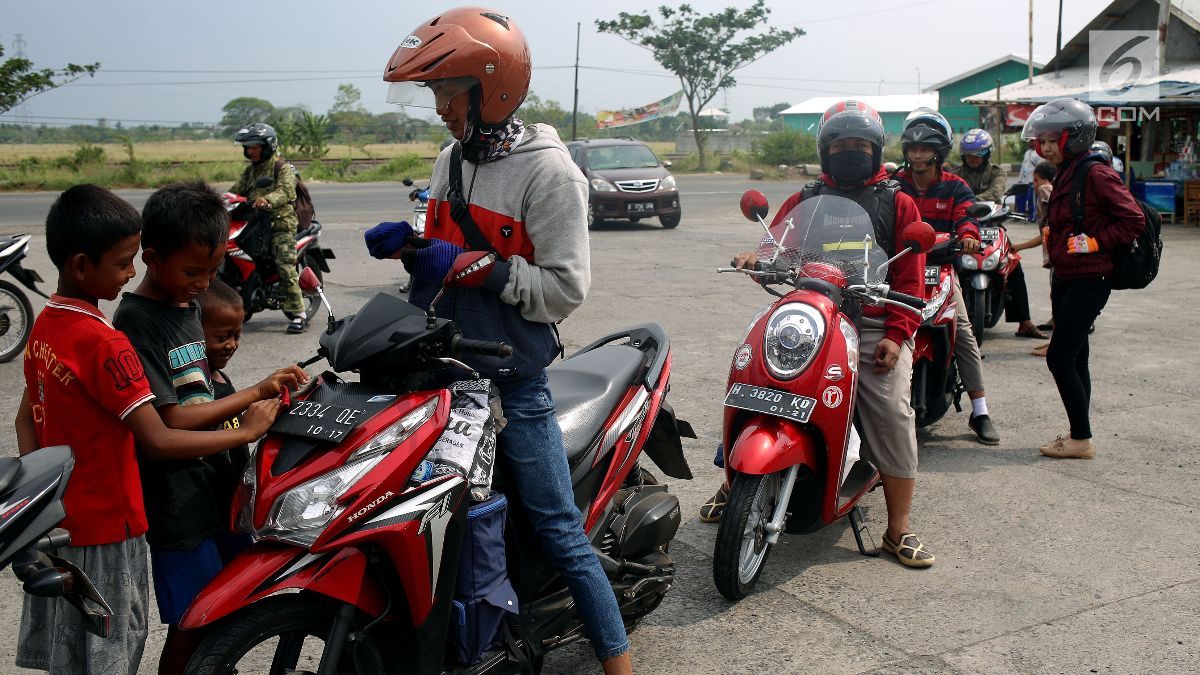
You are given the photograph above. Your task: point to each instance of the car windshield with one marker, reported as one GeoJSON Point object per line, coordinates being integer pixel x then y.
{"type": "Point", "coordinates": [621, 157]}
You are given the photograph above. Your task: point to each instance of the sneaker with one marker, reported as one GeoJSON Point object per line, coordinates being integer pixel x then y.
{"type": "Point", "coordinates": [297, 326]}
{"type": "Point", "coordinates": [984, 430]}
{"type": "Point", "coordinates": [1069, 448]}
{"type": "Point", "coordinates": [715, 506]}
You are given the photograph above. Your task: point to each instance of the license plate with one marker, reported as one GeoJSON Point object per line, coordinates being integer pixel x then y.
{"type": "Point", "coordinates": [932, 275]}
{"type": "Point", "coordinates": [989, 234]}
{"type": "Point", "coordinates": [771, 401]}
{"type": "Point", "coordinates": [639, 206]}
{"type": "Point", "coordinates": [328, 421]}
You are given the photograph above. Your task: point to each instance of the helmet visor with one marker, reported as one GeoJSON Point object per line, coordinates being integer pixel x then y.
{"type": "Point", "coordinates": [428, 94]}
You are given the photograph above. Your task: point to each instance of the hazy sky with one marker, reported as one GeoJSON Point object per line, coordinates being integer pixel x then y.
{"type": "Point", "coordinates": [170, 61]}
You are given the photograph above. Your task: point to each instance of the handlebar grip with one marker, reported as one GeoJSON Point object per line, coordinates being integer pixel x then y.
{"type": "Point", "coordinates": [462, 345]}
{"type": "Point", "coordinates": [910, 300]}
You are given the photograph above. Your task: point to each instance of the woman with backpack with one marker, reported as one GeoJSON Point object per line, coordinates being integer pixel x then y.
{"type": "Point", "coordinates": [1090, 220]}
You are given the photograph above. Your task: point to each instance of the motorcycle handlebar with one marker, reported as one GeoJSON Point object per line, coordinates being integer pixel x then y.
{"type": "Point", "coordinates": [462, 345]}
{"type": "Point", "coordinates": [910, 300]}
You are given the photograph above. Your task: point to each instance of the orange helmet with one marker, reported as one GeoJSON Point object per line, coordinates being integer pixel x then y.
{"type": "Point", "coordinates": [468, 42]}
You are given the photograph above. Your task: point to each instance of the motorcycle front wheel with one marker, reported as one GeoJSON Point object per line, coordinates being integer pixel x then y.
{"type": "Point", "coordinates": [978, 308]}
{"type": "Point", "coordinates": [273, 636]}
{"type": "Point", "coordinates": [16, 321]}
{"type": "Point", "coordinates": [312, 303]}
{"type": "Point", "coordinates": [742, 548]}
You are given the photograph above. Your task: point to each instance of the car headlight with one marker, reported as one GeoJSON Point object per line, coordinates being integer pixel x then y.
{"type": "Point", "coordinates": [794, 333]}
{"type": "Point", "coordinates": [601, 185]}
{"type": "Point", "coordinates": [397, 432]}
{"type": "Point", "coordinates": [990, 262]}
{"type": "Point", "coordinates": [302, 513]}
{"type": "Point", "coordinates": [968, 261]}
{"type": "Point", "coordinates": [934, 304]}
{"type": "Point", "coordinates": [667, 183]}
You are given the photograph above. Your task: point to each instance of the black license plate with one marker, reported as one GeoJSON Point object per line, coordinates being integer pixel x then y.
{"type": "Point", "coordinates": [328, 421]}
{"type": "Point", "coordinates": [638, 207]}
{"type": "Point", "coordinates": [932, 275]}
{"type": "Point", "coordinates": [771, 401]}
{"type": "Point", "coordinates": [989, 234]}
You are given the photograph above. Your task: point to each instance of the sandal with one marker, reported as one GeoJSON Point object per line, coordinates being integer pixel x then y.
{"type": "Point", "coordinates": [910, 551]}
{"type": "Point", "coordinates": [1032, 332]}
{"type": "Point", "coordinates": [712, 509]}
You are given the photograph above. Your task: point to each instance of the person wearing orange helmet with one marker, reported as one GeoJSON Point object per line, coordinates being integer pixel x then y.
{"type": "Point", "coordinates": [510, 188]}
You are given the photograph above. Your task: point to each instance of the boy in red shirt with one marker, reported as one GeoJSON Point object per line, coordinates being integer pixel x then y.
{"type": "Point", "coordinates": [84, 387]}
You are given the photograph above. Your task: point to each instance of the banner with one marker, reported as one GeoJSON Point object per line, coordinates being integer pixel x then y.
{"type": "Point", "coordinates": [1019, 112]}
{"type": "Point", "coordinates": [607, 119]}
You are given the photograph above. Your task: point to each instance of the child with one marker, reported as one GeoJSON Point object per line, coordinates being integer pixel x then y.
{"type": "Point", "coordinates": [184, 228]}
{"type": "Point", "coordinates": [84, 387]}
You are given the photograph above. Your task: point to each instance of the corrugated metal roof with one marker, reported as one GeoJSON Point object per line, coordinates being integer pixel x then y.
{"type": "Point", "coordinates": [1182, 80]}
{"type": "Point", "coordinates": [1037, 63]}
{"type": "Point", "coordinates": [889, 103]}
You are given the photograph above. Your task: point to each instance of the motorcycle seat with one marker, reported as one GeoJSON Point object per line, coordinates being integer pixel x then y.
{"type": "Point", "coordinates": [587, 388]}
{"type": "Point", "coordinates": [9, 468]}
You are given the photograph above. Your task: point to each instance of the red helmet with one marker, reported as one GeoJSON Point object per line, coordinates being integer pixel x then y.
{"type": "Point", "coordinates": [468, 42]}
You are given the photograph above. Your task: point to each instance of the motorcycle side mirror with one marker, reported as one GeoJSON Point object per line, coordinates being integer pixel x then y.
{"type": "Point", "coordinates": [309, 283]}
{"type": "Point", "coordinates": [918, 237]}
{"type": "Point", "coordinates": [754, 205]}
{"type": "Point", "coordinates": [979, 209]}
{"type": "Point", "coordinates": [264, 181]}
{"type": "Point", "coordinates": [407, 181]}
{"type": "Point", "coordinates": [667, 164]}
{"type": "Point", "coordinates": [470, 268]}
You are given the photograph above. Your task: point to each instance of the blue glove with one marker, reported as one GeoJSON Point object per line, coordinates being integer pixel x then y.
{"type": "Point", "coordinates": [429, 260]}
{"type": "Point", "coordinates": [386, 238]}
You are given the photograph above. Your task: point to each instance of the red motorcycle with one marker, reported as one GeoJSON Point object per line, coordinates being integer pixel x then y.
{"type": "Point", "coordinates": [359, 547]}
{"type": "Point", "coordinates": [984, 275]}
{"type": "Point", "coordinates": [249, 267]}
{"type": "Point", "coordinates": [791, 449]}
{"type": "Point", "coordinates": [935, 384]}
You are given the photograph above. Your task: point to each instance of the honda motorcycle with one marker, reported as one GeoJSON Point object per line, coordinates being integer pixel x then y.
{"type": "Point", "coordinates": [984, 274]}
{"type": "Point", "coordinates": [31, 493]}
{"type": "Point", "coordinates": [249, 266]}
{"type": "Point", "coordinates": [16, 314]}
{"type": "Point", "coordinates": [358, 547]}
{"type": "Point", "coordinates": [419, 196]}
{"type": "Point", "coordinates": [935, 384]}
{"type": "Point", "coordinates": [791, 446]}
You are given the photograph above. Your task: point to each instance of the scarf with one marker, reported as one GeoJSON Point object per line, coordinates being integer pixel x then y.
{"type": "Point", "coordinates": [489, 145]}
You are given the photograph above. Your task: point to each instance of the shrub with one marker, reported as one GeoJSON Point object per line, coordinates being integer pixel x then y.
{"type": "Point", "coordinates": [786, 147]}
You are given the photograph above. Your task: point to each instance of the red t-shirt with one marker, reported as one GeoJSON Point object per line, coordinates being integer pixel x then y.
{"type": "Point", "coordinates": [83, 377]}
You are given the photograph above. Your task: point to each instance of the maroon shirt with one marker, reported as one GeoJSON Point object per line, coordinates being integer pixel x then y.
{"type": "Point", "coordinates": [1111, 216]}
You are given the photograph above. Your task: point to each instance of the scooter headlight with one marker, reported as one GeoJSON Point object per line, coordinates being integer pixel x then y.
{"type": "Point", "coordinates": [993, 259]}
{"type": "Point", "coordinates": [302, 513]}
{"type": "Point", "coordinates": [934, 304]}
{"type": "Point", "coordinates": [969, 262]}
{"type": "Point", "coordinates": [793, 336]}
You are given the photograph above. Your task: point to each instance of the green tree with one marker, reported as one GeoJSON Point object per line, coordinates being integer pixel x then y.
{"type": "Point", "coordinates": [244, 110]}
{"type": "Point", "coordinates": [19, 81]}
{"type": "Point", "coordinates": [349, 119]}
{"type": "Point", "coordinates": [312, 135]}
{"type": "Point", "coordinates": [767, 113]}
{"type": "Point", "coordinates": [703, 50]}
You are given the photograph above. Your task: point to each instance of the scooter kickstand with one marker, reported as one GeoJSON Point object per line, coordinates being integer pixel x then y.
{"type": "Point", "coordinates": [859, 526]}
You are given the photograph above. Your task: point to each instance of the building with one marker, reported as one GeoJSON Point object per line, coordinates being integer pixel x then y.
{"type": "Point", "coordinates": [1005, 70]}
{"type": "Point", "coordinates": [892, 108]}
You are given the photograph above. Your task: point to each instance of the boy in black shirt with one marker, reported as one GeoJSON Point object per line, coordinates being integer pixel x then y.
{"type": "Point", "coordinates": [221, 315]}
{"type": "Point", "coordinates": [184, 229]}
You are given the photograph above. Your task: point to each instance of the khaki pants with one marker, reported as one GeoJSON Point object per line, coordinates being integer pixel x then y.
{"type": "Point", "coordinates": [283, 247]}
{"type": "Point", "coordinates": [889, 429]}
{"type": "Point", "coordinates": [966, 349]}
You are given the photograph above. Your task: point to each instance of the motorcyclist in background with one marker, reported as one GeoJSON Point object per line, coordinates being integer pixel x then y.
{"type": "Point", "coordinates": [1106, 150]}
{"type": "Point", "coordinates": [259, 145]}
{"type": "Point", "coordinates": [985, 179]}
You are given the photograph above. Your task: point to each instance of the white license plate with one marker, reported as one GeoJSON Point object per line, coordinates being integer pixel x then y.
{"type": "Point", "coordinates": [638, 207]}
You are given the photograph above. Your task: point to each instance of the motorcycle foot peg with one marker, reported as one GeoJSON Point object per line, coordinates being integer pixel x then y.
{"type": "Point", "coordinates": [858, 525]}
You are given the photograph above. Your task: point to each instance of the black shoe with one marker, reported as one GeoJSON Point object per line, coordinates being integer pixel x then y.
{"type": "Point", "coordinates": [297, 326]}
{"type": "Point", "coordinates": [984, 430]}
{"type": "Point", "coordinates": [1046, 326]}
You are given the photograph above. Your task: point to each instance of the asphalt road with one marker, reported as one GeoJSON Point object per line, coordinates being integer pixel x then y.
{"type": "Point", "coordinates": [1043, 566]}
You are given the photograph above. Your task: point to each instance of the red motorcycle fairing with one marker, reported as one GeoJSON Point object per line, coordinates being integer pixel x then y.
{"type": "Point", "coordinates": [267, 569]}
{"type": "Point", "coordinates": [768, 444]}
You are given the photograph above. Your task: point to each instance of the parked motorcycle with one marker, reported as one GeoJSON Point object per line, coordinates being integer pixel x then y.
{"type": "Point", "coordinates": [420, 198]}
{"type": "Point", "coordinates": [249, 266]}
{"type": "Point", "coordinates": [31, 491]}
{"type": "Point", "coordinates": [16, 314]}
{"type": "Point", "coordinates": [935, 384]}
{"type": "Point", "coordinates": [359, 548]}
{"type": "Point", "coordinates": [791, 447]}
{"type": "Point", "coordinates": [984, 275]}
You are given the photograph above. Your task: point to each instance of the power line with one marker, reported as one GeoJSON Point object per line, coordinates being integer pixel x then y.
{"type": "Point", "coordinates": [862, 14]}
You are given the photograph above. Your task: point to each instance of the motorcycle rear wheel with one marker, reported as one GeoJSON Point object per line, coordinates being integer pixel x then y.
{"type": "Point", "coordinates": [741, 552]}
{"type": "Point", "coordinates": [286, 617]}
{"type": "Point", "coordinates": [16, 321]}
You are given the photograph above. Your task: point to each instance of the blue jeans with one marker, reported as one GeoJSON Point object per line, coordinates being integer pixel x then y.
{"type": "Point", "coordinates": [532, 448]}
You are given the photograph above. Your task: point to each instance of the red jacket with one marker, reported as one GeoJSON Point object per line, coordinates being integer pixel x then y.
{"type": "Point", "coordinates": [943, 204]}
{"type": "Point", "coordinates": [906, 275]}
{"type": "Point", "coordinates": [1110, 215]}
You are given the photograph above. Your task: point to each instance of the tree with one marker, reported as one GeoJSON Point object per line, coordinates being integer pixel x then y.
{"type": "Point", "coordinates": [767, 113]}
{"type": "Point", "coordinates": [347, 100]}
{"type": "Point", "coordinates": [19, 81]}
{"type": "Point", "coordinates": [702, 50]}
{"type": "Point", "coordinates": [348, 117]}
{"type": "Point", "coordinates": [244, 110]}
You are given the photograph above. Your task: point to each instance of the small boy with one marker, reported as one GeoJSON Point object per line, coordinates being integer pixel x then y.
{"type": "Point", "coordinates": [84, 387]}
{"type": "Point", "coordinates": [184, 229]}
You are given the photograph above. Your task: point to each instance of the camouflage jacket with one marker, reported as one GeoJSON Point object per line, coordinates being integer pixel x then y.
{"type": "Point", "coordinates": [281, 195]}
{"type": "Point", "coordinates": [988, 182]}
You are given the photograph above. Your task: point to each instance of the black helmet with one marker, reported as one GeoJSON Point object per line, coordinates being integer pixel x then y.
{"type": "Point", "coordinates": [1068, 120]}
{"type": "Point", "coordinates": [925, 126]}
{"type": "Point", "coordinates": [258, 134]}
{"type": "Point", "coordinates": [850, 119]}
{"type": "Point", "coordinates": [1103, 149]}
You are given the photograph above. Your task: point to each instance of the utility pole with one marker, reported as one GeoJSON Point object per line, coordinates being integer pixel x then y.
{"type": "Point", "coordinates": [918, 80]}
{"type": "Point", "coordinates": [575, 108]}
{"type": "Point", "coordinates": [1058, 42]}
{"type": "Point", "coordinates": [1030, 41]}
{"type": "Point", "coordinates": [1164, 15]}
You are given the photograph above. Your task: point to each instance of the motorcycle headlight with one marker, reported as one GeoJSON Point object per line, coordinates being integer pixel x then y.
{"type": "Point", "coordinates": [244, 496]}
{"type": "Point", "coordinates": [968, 262]}
{"type": "Point", "coordinates": [302, 513]}
{"type": "Point", "coordinates": [397, 432]}
{"type": "Point", "coordinates": [601, 185]}
{"type": "Point", "coordinates": [934, 304]}
{"type": "Point", "coordinates": [990, 262]}
{"type": "Point", "coordinates": [851, 336]}
{"type": "Point", "coordinates": [667, 183]}
{"type": "Point", "coordinates": [794, 333]}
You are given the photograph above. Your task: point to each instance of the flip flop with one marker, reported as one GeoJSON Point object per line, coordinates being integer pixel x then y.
{"type": "Point", "coordinates": [1032, 332]}
{"type": "Point", "coordinates": [712, 509]}
{"type": "Point", "coordinates": [909, 551]}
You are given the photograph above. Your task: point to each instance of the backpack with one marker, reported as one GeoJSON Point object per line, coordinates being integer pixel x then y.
{"type": "Point", "coordinates": [304, 203]}
{"type": "Point", "coordinates": [1136, 265]}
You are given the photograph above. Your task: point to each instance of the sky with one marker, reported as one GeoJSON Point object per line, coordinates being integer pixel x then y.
{"type": "Point", "coordinates": [172, 62]}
